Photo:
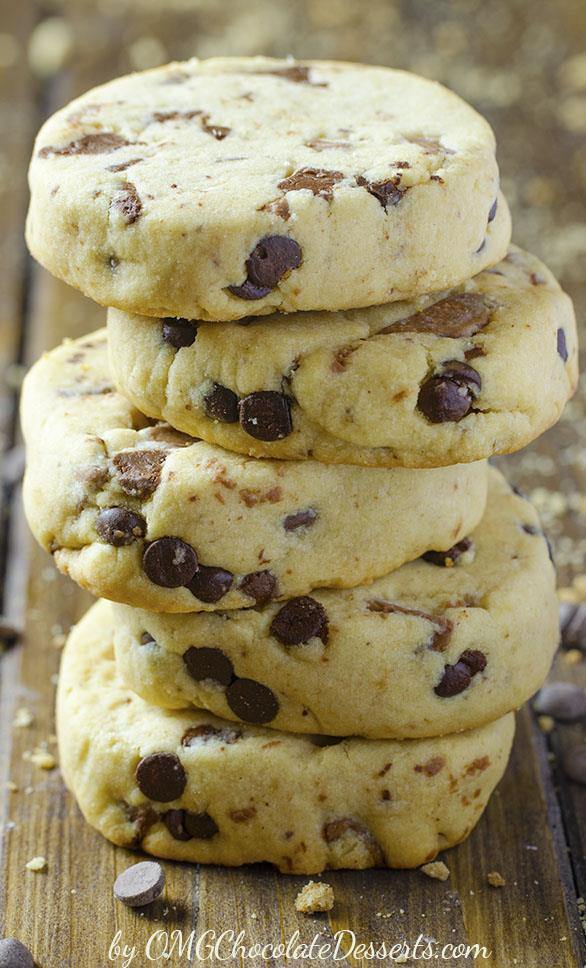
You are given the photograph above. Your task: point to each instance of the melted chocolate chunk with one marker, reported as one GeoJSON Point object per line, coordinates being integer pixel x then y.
{"type": "Point", "coordinates": [251, 701]}
{"type": "Point", "coordinates": [210, 584]}
{"type": "Point", "coordinates": [169, 562]}
{"type": "Point", "coordinates": [456, 678]}
{"type": "Point", "coordinates": [386, 192]}
{"type": "Point", "coordinates": [217, 131]}
{"type": "Point", "coordinates": [161, 777]}
{"type": "Point", "coordinates": [179, 332]}
{"type": "Point", "coordinates": [562, 345]}
{"type": "Point", "coordinates": [449, 395]}
{"type": "Point", "coordinates": [99, 143]}
{"type": "Point", "coordinates": [138, 472]}
{"type": "Point", "coordinates": [266, 415]}
{"type": "Point", "coordinates": [300, 519]}
{"type": "Point", "coordinates": [300, 620]}
{"type": "Point", "coordinates": [319, 181]}
{"type": "Point", "coordinates": [221, 404]}
{"type": "Point", "coordinates": [460, 315]}
{"type": "Point", "coordinates": [269, 261]}
{"type": "Point", "coordinates": [444, 628]}
{"type": "Point", "coordinates": [120, 527]}
{"type": "Point", "coordinates": [446, 559]}
{"type": "Point", "coordinates": [206, 663]}
{"type": "Point", "coordinates": [128, 203]}
{"type": "Point", "coordinates": [185, 825]}
{"type": "Point", "coordinates": [260, 586]}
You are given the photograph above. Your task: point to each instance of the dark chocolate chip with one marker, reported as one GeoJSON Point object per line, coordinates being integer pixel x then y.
{"type": "Point", "coordinates": [207, 663]}
{"type": "Point", "coordinates": [147, 639]}
{"type": "Point", "coordinates": [269, 261]}
{"type": "Point", "coordinates": [13, 954]}
{"type": "Point", "coordinates": [128, 203]}
{"type": "Point", "coordinates": [206, 732]}
{"type": "Point", "coordinates": [251, 701]}
{"type": "Point", "coordinates": [179, 332]}
{"type": "Point", "coordinates": [185, 825]}
{"type": "Point", "coordinates": [474, 659]}
{"type": "Point", "coordinates": [221, 404]}
{"type": "Point", "coordinates": [300, 620]}
{"type": "Point", "coordinates": [492, 212]}
{"type": "Point", "coordinates": [322, 741]}
{"type": "Point", "coordinates": [574, 764]}
{"type": "Point", "coordinates": [449, 395]}
{"type": "Point", "coordinates": [563, 701]}
{"type": "Point", "coordinates": [530, 529]}
{"type": "Point", "coordinates": [562, 345]}
{"type": "Point", "coordinates": [319, 181]}
{"type": "Point", "coordinates": [161, 777]}
{"type": "Point", "coordinates": [461, 315]}
{"type": "Point", "coordinates": [138, 472]}
{"type": "Point", "coordinates": [458, 677]}
{"type": "Point", "coordinates": [266, 415]}
{"type": "Point", "coordinates": [120, 527]}
{"type": "Point", "coordinates": [447, 559]}
{"type": "Point", "coordinates": [386, 192]}
{"type": "Point", "coordinates": [210, 584]}
{"type": "Point", "coordinates": [217, 131]}
{"type": "Point", "coordinates": [169, 562]}
{"type": "Point", "coordinates": [140, 884]}
{"type": "Point", "coordinates": [260, 586]}
{"type": "Point", "coordinates": [99, 143]}
{"type": "Point", "coordinates": [300, 519]}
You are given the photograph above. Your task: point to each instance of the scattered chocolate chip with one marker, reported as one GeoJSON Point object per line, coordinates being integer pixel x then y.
{"type": "Point", "coordinates": [207, 663]}
{"type": "Point", "coordinates": [319, 181]}
{"type": "Point", "coordinates": [449, 395]}
{"type": "Point", "coordinates": [140, 884]}
{"type": "Point", "coordinates": [460, 315]}
{"type": "Point", "coordinates": [561, 344]}
{"type": "Point", "coordinates": [574, 764]}
{"type": "Point", "coordinates": [138, 472]}
{"type": "Point", "coordinates": [266, 415]}
{"type": "Point", "coordinates": [210, 584]}
{"type": "Point", "coordinates": [13, 954]}
{"type": "Point", "coordinates": [562, 701]}
{"type": "Point", "coordinates": [269, 261]}
{"type": "Point", "coordinates": [446, 559]}
{"type": "Point", "coordinates": [99, 143]}
{"type": "Point", "coordinates": [169, 562]}
{"type": "Point", "coordinates": [161, 777]}
{"type": "Point", "coordinates": [300, 519]}
{"type": "Point", "coordinates": [492, 212]}
{"type": "Point", "coordinates": [206, 732]}
{"type": "Point", "coordinates": [259, 585]}
{"type": "Point", "coordinates": [457, 677]}
{"type": "Point", "coordinates": [386, 192]}
{"type": "Point", "coordinates": [221, 404]}
{"type": "Point", "coordinates": [251, 701]}
{"type": "Point", "coordinates": [179, 332]}
{"type": "Point", "coordinates": [573, 626]}
{"type": "Point", "coordinates": [300, 620]}
{"type": "Point", "coordinates": [185, 825]}
{"type": "Point", "coordinates": [217, 131]}
{"type": "Point", "coordinates": [120, 527]}
{"type": "Point", "coordinates": [128, 203]}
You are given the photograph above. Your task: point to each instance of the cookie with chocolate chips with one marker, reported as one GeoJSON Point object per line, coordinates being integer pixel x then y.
{"type": "Point", "coordinates": [311, 185]}
{"type": "Point", "coordinates": [451, 377]}
{"type": "Point", "coordinates": [143, 514]}
{"type": "Point", "coordinates": [424, 651]}
{"type": "Point", "coordinates": [185, 785]}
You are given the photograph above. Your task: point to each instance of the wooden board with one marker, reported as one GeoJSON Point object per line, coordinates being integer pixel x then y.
{"type": "Point", "coordinates": [534, 831]}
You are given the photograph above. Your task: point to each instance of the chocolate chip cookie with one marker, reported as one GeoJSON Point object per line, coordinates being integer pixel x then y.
{"type": "Point", "coordinates": [189, 786]}
{"type": "Point", "coordinates": [457, 376]}
{"type": "Point", "coordinates": [236, 186]}
{"type": "Point", "coordinates": [139, 513]}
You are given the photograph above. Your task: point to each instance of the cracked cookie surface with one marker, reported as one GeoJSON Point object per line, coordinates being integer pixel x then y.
{"type": "Point", "coordinates": [136, 512]}
{"type": "Point", "coordinates": [445, 643]}
{"type": "Point", "coordinates": [216, 189]}
{"type": "Point", "coordinates": [191, 787]}
{"type": "Point", "coordinates": [451, 377]}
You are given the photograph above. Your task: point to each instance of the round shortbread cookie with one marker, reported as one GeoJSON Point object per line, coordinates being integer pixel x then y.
{"type": "Point", "coordinates": [453, 377]}
{"type": "Point", "coordinates": [448, 642]}
{"type": "Point", "coordinates": [215, 189]}
{"type": "Point", "coordinates": [188, 786]}
{"type": "Point", "coordinates": [142, 514]}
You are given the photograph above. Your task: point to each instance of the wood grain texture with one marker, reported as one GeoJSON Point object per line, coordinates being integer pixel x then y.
{"type": "Point", "coordinates": [512, 61]}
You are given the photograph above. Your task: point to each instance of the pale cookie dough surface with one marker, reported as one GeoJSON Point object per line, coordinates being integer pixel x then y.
{"type": "Point", "coordinates": [427, 650]}
{"type": "Point", "coordinates": [139, 513]}
{"type": "Point", "coordinates": [188, 786]}
{"type": "Point", "coordinates": [463, 375]}
{"type": "Point", "coordinates": [216, 189]}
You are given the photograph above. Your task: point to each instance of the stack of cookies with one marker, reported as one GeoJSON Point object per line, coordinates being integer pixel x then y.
{"type": "Point", "coordinates": [322, 605]}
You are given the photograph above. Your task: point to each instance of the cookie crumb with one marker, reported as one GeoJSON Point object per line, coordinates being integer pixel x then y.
{"type": "Point", "coordinates": [572, 656]}
{"type": "Point", "coordinates": [495, 879]}
{"type": "Point", "coordinates": [40, 757]}
{"type": "Point", "coordinates": [37, 864]}
{"type": "Point", "coordinates": [437, 870]}
{"type": "Point", "coordinates": [23, 718]}
{"type": "Point", "coordinates": [12, 786]}
{"type": "Point", "coordinates": [315, 896]}
{"type": "Point", "coordinates": [546, 723]}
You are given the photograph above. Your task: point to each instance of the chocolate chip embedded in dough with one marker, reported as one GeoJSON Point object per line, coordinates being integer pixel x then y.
{"type": "Point", "coordinates": [447, 559]}
{"type": "Point", "coordinates": [185, 825]}
{"type": "Point", "coordinates": [98, 143]}
{"type": "Point", "coordinates": [300, 519]}
{"type": "Point", "coordinates": [169, 562]}
{"type": "Point", "coordinates": [387, 193]}
{"type": "Point", "coordinates": [138, 472]}
{"type": "Point", "coordinates": [269, 261]}
{"type": "Point", "coordinates": [266, 415]}
{"type": "Point", "coordinates": [161, 777]}
{"type": "Point", "coordinates": [128, 203]}
{"type": "Point", "coordinates": [120, 527]}
{"type": "Point", "coordinates": [492, 212]}
{"type": "Point", "coordinates": [319, 181]}
{"type": "Point", "coordinates": [221, 403]}
{"type": "Point", "coordinates": [461, 315]}
{"type": "Point", "coordinates": [259, 585]}
{"type": "Point", "coordinates": [562, 347]}
{"type": "Point", "coordinates": [208, 663]}
{"type": "Point", "coordinates": [449, 395]}
{"type": "Point", "coordinates": [179, 332]}
{"type": "Point", "coordinates": [210, 584]}
{"type": "Point", "coordinates": [300, 620]}
{"type": "Point", "coordinates": [140, 884]}
{"type": "Point", "coordinates": [456, 678]}
{"type": "Point", "coordinates": [205, 733]}
{"type": "Point", "coordinates": [251, 701]}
